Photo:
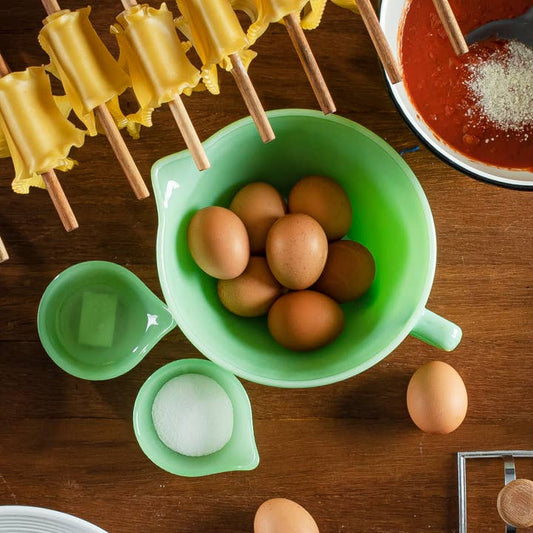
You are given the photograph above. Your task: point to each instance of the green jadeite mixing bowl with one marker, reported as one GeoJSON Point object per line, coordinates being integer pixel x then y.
{"type": "Point", "coordinates": [391, 217]}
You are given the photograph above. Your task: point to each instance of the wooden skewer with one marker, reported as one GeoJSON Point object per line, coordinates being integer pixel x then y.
{"type": "Point", "coordinates": [451, 26]}
{"type": "Point", "coordinates": [188, 133]}
{"type": "Point", "coordinates": [4, 256]}
{"type": "Point", "coordinates": [185, 125]}
{"type": "Point", "coordinates": [121, 152]}
{"type": "Point", "coordinates": [251, 99]}
{"type": "Point", "coordinates": [59, 200]}
{"type": "Point", "coordinates": [51, 6]}
{"type": "Point", "coordinates": [380, 41]}
{"type": "Point", "coordinates": [113, 135]}
{"type": "Point", "coordinates": [53, 186]}
{"type": "Point", "coordinates": [309, 64]}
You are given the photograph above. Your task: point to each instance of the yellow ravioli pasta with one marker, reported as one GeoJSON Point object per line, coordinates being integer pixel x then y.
{"type": "Point", "coordinates": [312, 14]}
{"type": "Point", "coordinates": [265, 12]}
{"type": "Point", "coordinates": [262, 13]}
{"type": "Point", "coordinates": [347, 4]}
{"type": "Point", "coordinates": [34, 129]}
{"type": "Point", "coordinates": [215, 32]}
{"type": "Point", "coordinates": [154, 57]}
{"type": "Point", "coordinates": [89, 73]}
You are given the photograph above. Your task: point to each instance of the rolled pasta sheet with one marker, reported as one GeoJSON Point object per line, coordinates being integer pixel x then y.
{"type": "Point", "coordinates": [153, 55]}
{"type": "Point", "coordinates": [264, 12]}
{"type": "Point", "coordinates": [37, 134]}
{"type": "Point", "coordinates": [312, 14]}
{"type": "Point", "coordinates": [89, 73]}
{"type": "Point", "coordinates": [215, 32]}
{"type": "Point", "coordinates": [347, 4]}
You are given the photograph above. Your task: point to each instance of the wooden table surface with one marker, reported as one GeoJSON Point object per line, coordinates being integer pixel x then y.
{"type": "Point", "coordinates": [347, 452]}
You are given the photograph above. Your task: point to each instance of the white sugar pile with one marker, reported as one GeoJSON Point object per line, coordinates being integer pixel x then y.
{"type": "Point", "coordinates": [503, 86]}
{"type": "Point", "coordinates": [193, 415]}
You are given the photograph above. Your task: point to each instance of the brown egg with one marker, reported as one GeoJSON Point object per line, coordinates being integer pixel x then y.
{"type": "Point", "coordinates": [436, 398]}
{"type": "Point", "coordinates": [305, 320]}
{"type": "Point", "coordinates": [218, 242]}
{"type": "Point", "coordinates": [326, 201]}
{"type": "Point", "coordinates": [296, 250]}
{"type": "Point", "coordinates": [348, 273]}
{"type": "Point", "coordinates": [280, 515]}
{"type": "Point", "coordinates": [253, 292]}
{"type": "Point", "coordinates": [258, 205]}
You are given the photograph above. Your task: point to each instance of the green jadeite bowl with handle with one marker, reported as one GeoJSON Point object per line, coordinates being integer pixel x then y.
{"type": "Point", "coordinates": [391, 217]}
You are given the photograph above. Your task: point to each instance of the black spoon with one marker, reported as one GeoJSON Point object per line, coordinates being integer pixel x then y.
{"type": "Point", "coordinates": [519, 29]}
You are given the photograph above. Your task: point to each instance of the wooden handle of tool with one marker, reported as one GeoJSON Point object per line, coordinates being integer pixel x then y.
{"type": "Point", "coordinates": [50, 6]}
{"type": "Point", "coordinates": [515, 503]}
{"type": "Point", "coordinates": [55, 190]}
{"type": "Point", "coordinates": [189, 133]}
{"type": "Point", "coordinates": [380, 41]}
{"type": "Point", "coordinates": [300, 43]}
{"type": "Point", "coordinates": [251, 99]}
{"type": "Point", "coordinates": [121, 152]}
{"type": "Point", "coordinates": [451, 26]}
{"type": "Point", "coordinates": [4, 256]}
{"type": "Point", "coordinates": [59, 200]}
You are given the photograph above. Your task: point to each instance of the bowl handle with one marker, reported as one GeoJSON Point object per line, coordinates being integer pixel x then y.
{"type": "Point", "coordinates": [437, 331]}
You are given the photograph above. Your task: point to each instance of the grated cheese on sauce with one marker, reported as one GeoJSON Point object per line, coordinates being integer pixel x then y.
{"type": "Point", "coordinates": [502, 87]}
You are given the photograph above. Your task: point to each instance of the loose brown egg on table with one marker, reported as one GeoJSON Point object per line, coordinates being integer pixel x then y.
{"type": "Point", "coordinates": [280, 515]}
{"type": "Point", "coordinates": [326, 201]}
{"type": "Point", "coordinates": [305, 320]}
{"type": "Point", "coordinates": [218, 242]}
{"type": "Point", "coordinates": [258, 205]}
{"type": "Point", "coordinates": [437, 400]}
{"type": "Point", "coordinates": [253, 292]}
{"type": "Point", "coordinates": [296, 250]}
{"type": "Point", "coordinates": [349, 271]}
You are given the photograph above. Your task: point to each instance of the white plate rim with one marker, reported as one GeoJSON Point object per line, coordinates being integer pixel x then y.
{"type": "Point", "coordinates": [47, 515]}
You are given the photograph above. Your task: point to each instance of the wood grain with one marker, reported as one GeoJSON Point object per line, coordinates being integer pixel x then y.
{"type": "Point", "coordinates": [515, 503]}
{"type": "Point", "coordinates": [347, 452]}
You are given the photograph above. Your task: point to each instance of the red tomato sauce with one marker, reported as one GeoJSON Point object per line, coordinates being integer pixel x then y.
{"type": "Point", "coordinates": [435, 79]}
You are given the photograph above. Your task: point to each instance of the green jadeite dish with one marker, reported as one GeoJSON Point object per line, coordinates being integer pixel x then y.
{"type": "Point", "coordinates": [392, 218]}
{"type": "Point", "coordinates": [240, 453]}
{"type": "Point", "coordinates": [138, 320]}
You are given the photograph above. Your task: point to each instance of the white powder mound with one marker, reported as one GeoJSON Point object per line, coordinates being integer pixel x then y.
{"type": "Point", "coordinates": [193, 415]}
{"type": "Point", "coordinates": [503, 87]}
